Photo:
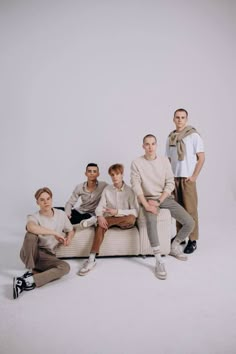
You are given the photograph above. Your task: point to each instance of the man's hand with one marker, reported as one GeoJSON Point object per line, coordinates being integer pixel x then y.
{"type": "Point", "coordinates": [59, 238]}
{"type": "Point", "coordinates": [102, 222]}
{"type": "Point", "coordinates": [153, 202]}
{"type": "Point", "coordinates": [152, 209]}
{"type": "Point", "coordinates": [69, 238]}
{"type": "Point", "coordinates": [191, 179]}
{"type": "Point", "coordinates": [111, 211]}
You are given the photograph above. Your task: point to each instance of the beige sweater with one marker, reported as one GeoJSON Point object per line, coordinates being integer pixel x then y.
{"type": "Point", "coordinates": [152, 177]}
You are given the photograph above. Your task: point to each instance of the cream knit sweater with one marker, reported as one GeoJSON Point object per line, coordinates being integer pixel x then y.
{"type": "Point", "coordinates": [152, 177]}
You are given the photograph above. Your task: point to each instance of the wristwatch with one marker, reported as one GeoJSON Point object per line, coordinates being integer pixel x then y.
{"type": "Point", "coordinates": [158, 200]}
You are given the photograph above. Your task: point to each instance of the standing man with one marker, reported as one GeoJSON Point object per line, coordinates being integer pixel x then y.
{"type": "Point", "coordinates": [117, 207]}
{"type": "Point", "coordinates": [90, 193]}
{"type": "Point", "coordinates": [153, 182]}
{"type": "Point", "coordinates": [185, 151]}
{"type": "Point", "coordinates": [45, 230]}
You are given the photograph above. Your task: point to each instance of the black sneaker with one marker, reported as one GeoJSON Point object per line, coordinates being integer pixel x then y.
{"type": "Point", "coordinates": [191, 247]}
{"type": "Point", "coordinates": [182, 242]}
{"type": "Point", "coordinates": [28, 286]}
{"type": "Point", "coordinates": [27, 274]}
{"type": "Point", "coordinates": [19, 285]}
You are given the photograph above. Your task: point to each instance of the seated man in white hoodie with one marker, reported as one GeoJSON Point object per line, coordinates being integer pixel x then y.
{"type": "Point", "coordinates": [117, 207]}
{"type": "Point", "coordinates": [152, 180]}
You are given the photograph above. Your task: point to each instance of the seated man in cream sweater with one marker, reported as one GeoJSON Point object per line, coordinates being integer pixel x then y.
{"type": "Point", "coordinates": [153, 182]}
{"type": "Point", "coordinates": [117, 207]}
{"type": "Point", "coordinates": [45, 230]}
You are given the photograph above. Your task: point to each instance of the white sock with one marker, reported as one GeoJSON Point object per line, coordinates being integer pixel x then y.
{"type": "Point", "coordinates": [30, 280]}
{"type": "Point", "coordinates": [157, 254]}
{"type": "Point", "coordinates": [92, 257]}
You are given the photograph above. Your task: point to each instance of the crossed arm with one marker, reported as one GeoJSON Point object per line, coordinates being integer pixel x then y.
{"type": "Point", "coordinates": [41, 230]}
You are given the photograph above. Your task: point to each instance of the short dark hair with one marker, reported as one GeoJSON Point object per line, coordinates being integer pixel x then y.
{"type": "Point", "coordinates": [92, 164]}
{"type": "Point", "coordinates": [42, 190]}
{"type": "Point", "coordinates": [149, 136]}
{"type": "Point", "coordinates": [117, 167]}
{"type": "Point", "coordinates": [181, 110]}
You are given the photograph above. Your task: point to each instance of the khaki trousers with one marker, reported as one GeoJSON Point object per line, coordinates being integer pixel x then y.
{"type": "Point", "coordinates": [186, 195]}
{"type": "Point", "coordinates": [41, 260]}
{"type": "Point", "coordinates": [124, 222]}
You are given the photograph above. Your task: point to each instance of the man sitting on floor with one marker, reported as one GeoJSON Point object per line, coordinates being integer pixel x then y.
{"type": "Point", "coordinates": [45, 230]}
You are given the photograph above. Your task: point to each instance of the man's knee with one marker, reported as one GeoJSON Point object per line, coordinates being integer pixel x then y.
{"type": "Point", "coordinates": [30, 238]}
{"type": "Point", "coordinates": [29, 245]}
{"type": "Point", "coordinates": [131, 220]}
{"type": "Point", "coordinates": [64, 267]}
{"type": "Point", "coordinates": [190, 223]}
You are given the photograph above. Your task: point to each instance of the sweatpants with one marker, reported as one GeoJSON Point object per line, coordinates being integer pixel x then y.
{"type": "Point", "coordinates": [177, 212]}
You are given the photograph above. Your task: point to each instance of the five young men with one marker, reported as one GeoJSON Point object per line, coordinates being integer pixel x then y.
{"type": "Point", "coordinates": [154, 179]}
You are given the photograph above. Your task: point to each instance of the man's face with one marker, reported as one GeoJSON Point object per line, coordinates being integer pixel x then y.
{"type": "Point", "coordinates": [117, 178]}
{"type": "Point", "coordinates": [44, 202]}
{"type": "Point", "coordinates": [150, 146]}
{"type": "Point", "coordinates": [180, 120]}
{"type": "Point", "coordinates": [92, 173]}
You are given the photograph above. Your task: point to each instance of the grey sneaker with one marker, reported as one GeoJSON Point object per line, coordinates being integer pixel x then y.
{"type": "Point", "coordinates": [177, 252]}
{"type": "Point", "coordinates": [87, 266]}
{"type": "Point", "coordinates": [89, 222]}
{"type": "Point", "coordinates": [160, 271]}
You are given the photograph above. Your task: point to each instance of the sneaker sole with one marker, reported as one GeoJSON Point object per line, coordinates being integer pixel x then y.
{"type": "Point", "coordinates": [84, 273]}
{"type": "Point", "coordinates": [161, 277]}
{"type": "Point", "coordinates": [179, 258]}
{"type": "Point", "coordinates": [15, 295]}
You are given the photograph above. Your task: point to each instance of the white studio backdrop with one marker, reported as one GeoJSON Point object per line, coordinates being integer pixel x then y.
{"type": "Point", "coordinates": [84, 81]}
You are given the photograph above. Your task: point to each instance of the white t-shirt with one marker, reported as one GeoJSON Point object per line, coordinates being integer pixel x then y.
{"type": "Point", "coordinates": [193, 145]}
{"type": "Point", "coordinates": [58, 222]}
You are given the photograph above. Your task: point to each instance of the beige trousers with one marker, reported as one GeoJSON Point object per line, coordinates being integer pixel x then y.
{"type": "Point", "coordinates": [186, 195]}
{"type": "Point", "coordinates": [124, 222]}
{"type": "Point", "coordinates": [46, 265]}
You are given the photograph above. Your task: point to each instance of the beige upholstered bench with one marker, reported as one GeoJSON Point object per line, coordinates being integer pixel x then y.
{"type": "Point", "coordinates": [118, 242]}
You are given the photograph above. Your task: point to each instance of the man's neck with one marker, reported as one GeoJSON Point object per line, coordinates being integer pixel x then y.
{"type": "Point", "coordinates": [178, 130]}
{"type": "Point", "coordinates": [48, 213]}
{"type": "Point", "coordinates": [91, 185]}
{"type": "Point", "coordinates": [150, 157]}
{"type": "Point", "coordinates": [119, 185]}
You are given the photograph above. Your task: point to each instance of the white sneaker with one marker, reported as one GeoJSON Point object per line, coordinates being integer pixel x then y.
{"type": "Point", "coordinates": [89, 222]}
{"type": "Point", "coordinates": [160, 271]}
{"type": "Point", "coordinates": [87, 266]}
{"type": "Point", "coordinates": [177, 252]}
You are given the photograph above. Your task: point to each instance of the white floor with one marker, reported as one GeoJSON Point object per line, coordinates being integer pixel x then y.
{"type": "Point", "coordinates": [121, 308]}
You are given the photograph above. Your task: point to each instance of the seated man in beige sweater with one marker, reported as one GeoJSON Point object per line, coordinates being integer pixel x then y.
{"type": "Point", "coordinates": [88, 195]}
{"type": "Point", "coordinates": [45, 230]}
{"type": "Point", "coordinates": [117, 207]}
{"type": "Point", "coordinates": [153, 182]}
